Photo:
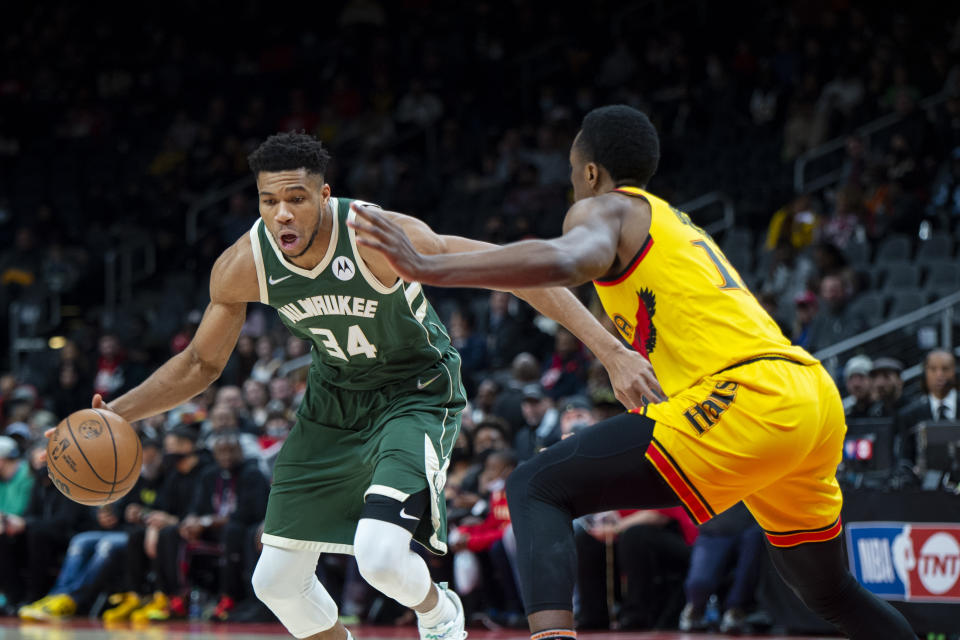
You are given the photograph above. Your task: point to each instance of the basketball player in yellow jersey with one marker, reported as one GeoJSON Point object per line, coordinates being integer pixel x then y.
{"type": "Point", "coordinates": [746, 416]}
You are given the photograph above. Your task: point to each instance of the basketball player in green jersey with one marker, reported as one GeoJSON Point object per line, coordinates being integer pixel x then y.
{"type": "Point", "coordinates": [363, 469]}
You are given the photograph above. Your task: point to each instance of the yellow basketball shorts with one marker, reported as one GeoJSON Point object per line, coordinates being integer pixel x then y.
{"type": "Point", "coordinates": [769, 432]}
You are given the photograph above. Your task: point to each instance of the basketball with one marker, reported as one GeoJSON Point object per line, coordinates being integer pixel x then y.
{"type": "Point", "coordinates": [94, 457]}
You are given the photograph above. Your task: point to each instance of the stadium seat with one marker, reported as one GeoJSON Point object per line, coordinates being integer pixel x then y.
{"type": "Point", "coordinates": [869, 305]}
{"type": "Point", "coordinates": [903, 302]}
{"type": "Point", "coordinates": [899, 275]}
{"type": "Point", "coordinates": [740, 257]}
{"type": "Point", "coordinates": [943, 275]}
{"type": "Point", "coordinates": [894, 247]}
{"type": "Point", "coordinates": [857, 253]}
{"type": "Point", "coordinates": [938, 247]}
{"type": "Point", "coordinates": [737, 239]}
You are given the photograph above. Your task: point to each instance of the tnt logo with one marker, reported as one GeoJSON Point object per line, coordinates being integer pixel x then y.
{"type": "Point", "coordinates": [907, 561]}
{"type": "Point", "coordinates": [938, 563]}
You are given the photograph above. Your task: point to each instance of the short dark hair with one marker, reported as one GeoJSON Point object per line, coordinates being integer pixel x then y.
{"type": "Point", "coordinates": [289, 151]}
{"type": "Point", "coordinates": [623, 141]}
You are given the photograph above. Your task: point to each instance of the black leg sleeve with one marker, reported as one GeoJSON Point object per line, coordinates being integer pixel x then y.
{"type": "Point", "coordinates": [599, 469]}
{"type": "Point", "coordinates": [817, 572]}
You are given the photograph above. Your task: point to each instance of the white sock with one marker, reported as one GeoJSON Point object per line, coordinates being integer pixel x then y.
{"type": "Point", "coordinates": [443, 612]}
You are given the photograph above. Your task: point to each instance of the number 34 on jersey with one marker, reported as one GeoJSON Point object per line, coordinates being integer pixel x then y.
{"type": "Point", "coordinates": [357, 343]}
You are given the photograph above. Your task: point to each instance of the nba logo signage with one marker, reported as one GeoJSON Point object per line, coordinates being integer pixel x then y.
{"type": "Point", "coordinates": [910, 562]}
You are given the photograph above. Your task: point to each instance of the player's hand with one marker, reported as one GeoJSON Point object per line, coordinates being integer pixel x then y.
{"type": "Point", "coordinates": [96, 403]}
{"type": "Point", "coordinates": [374, 230]}
{"type": "Point", "coordinates": [633, 380]}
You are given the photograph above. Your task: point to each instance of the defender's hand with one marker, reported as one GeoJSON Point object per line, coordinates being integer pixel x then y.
{"type": "Point", "coordinates": [383, 235]}
{"type": "Point", "coordinates": [633, 380]}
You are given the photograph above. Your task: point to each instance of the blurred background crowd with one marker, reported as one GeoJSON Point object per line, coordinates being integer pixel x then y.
{"type": "Point", "coordinates": [123, 143]}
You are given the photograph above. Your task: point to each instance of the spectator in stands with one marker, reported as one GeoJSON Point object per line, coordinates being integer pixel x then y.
{"type": "Point", "coordinates": [483, 537]}
{"type": "Point", "coordinates": [267, 361]}
{"type": "Point", "coordinates": [224, 419]}
{"type": "Point", "coordinates": [652, 553]}
{"type": "Point", "coordinates": [185, 466]}
{"type": "Point", "coordinates": [91, 559]}
{"type": "Point", "coordinates": [945, 199]}
{"type": "Point", "coordinates": [489, 436]}
{"type": "Point", "coordinates": [731, 542]}
{"type": "Point", "coordinates": [503, 330]}
{"type": "Point", "coordinates": [576, 413]}
{"type": "Point", "coordinates": [109, 377]}
{"type": "Point", "coordinates": [856, 376]}
{"type": "Point", "coordinates": [70, 393]}
{"type": "Point", "coordinates": [255, 397]}
{"type": "Point", "coordinates": [523, 370]}
{"type": "Point", "coordinates": [471, 346]}
{"type": "Point", "coordinates": [939, 401]}
{"type": "Point", "coordinates": [566, 372]}
{"type": "Point", "coordinates": [835, 320]}
{"type": "Point", "coordinates": [887, 388]}
{"type": "Point", "coordinates": [803, 317]}
{"type": "Point", "coordinates": [231, 501]}
{"type": "Point", "coordinates": [16, 485]}
{"type": "Point", "coordinates": [542, 422]}
{"type": "Point", "coordinates": [483, 402]}
{"type": "Point", "coordinates": [134, 509]}
{"type": "Point", "coordinates": [241, 361]}
{"type": "Point", "coordinates": [35, 541]}
{"type": "Point", "coordinates": [787, 277]}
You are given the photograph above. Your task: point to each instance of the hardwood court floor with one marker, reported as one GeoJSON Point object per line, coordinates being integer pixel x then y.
{"type": "Point", "coordinates": [13, 629]}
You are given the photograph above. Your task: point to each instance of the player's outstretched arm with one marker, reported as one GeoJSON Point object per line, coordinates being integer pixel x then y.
{"type": "Point", "coordinates": [233, 282]}
{"type": "Point", "coordinates": [630, 374]}
{"type": "Point", "coordinates": [586, 250]}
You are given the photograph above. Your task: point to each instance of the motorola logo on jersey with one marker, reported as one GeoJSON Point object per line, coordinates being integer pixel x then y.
{"type": "Point", "coordinates": [343, 268]}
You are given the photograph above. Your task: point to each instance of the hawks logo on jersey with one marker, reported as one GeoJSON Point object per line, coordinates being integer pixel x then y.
{"type": "Point", "coordinates": [645, 337]}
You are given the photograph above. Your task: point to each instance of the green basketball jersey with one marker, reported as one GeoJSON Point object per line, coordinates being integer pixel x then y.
{"type": "Point", "coordinates": [365, 335]}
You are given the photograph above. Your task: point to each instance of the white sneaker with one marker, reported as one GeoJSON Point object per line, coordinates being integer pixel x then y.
{"type": "Point", "coordinates": [452, 630]}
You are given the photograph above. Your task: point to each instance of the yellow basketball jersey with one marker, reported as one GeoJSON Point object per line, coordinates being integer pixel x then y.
{"type": "Point", "coordinates": [684, 307]}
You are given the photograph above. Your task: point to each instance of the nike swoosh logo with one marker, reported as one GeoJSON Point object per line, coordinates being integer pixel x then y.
{"type": "Point", "coordinates": [423, 385]}
{"type": "Point", "coordinates": [407, 516]}
{"type": "Point", "coordinates": [275, 281]}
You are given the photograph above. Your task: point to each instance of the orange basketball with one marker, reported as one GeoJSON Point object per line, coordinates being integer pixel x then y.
{"type": "Point", "coordinates": [94, 457]}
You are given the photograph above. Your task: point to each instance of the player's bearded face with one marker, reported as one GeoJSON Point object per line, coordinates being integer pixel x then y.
{"type": "Point", "coordinates": [292, 204]}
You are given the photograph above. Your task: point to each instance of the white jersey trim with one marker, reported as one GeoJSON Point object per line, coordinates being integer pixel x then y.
{"type": "Point", "coordinates": [371, 279]}
{"type": "Point", "coordinates": [389, 492]}
{"type": "Point", "coordinates": [305, 545]}
{"type": "Point", "coordinates": [258, 260]}
{"type": "Point", "coordinates": [327, 257]}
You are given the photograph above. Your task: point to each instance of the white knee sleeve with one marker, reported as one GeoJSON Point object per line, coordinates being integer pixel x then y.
{"type": "Point", "coordinates": [387, 563]}
{"type": "Point", "coordinates": [285, 580]}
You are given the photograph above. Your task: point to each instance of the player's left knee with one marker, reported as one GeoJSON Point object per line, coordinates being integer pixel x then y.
{"type": "Point", "coordinates": [378, 547]}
